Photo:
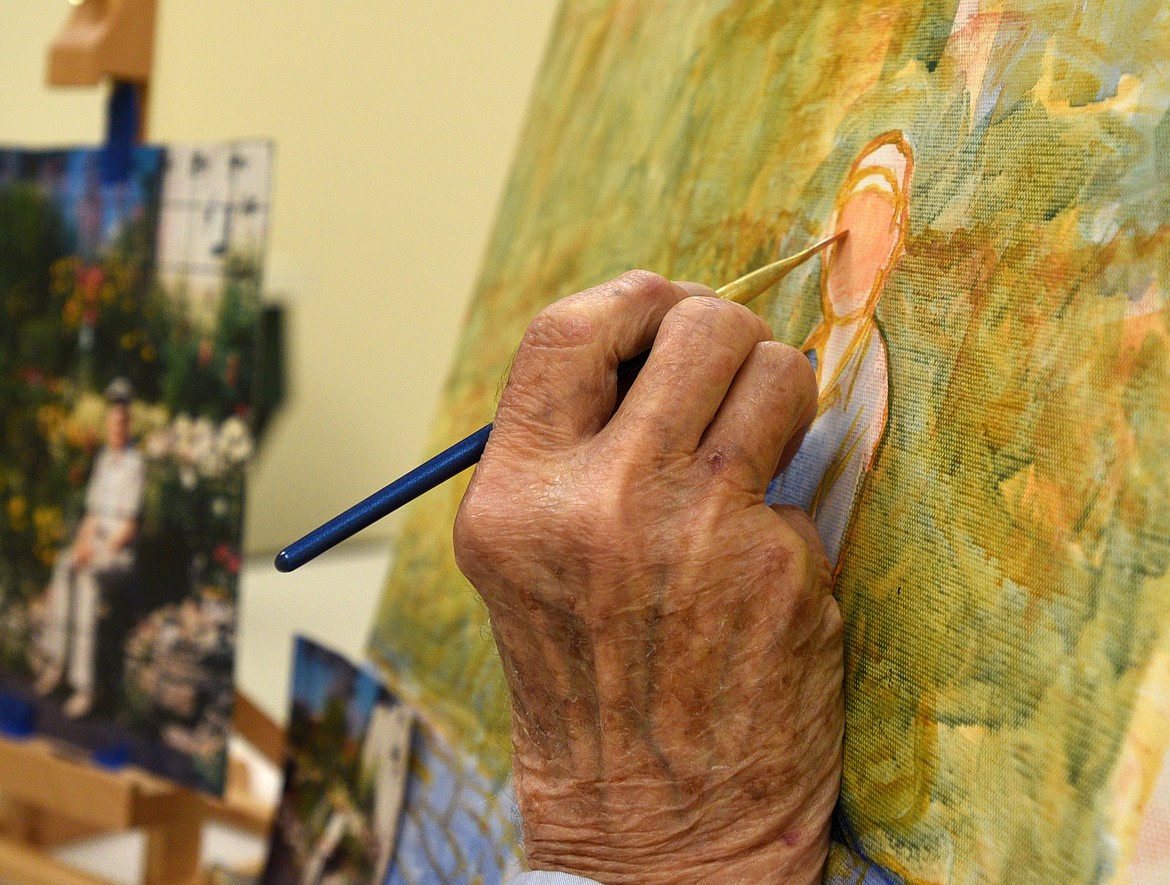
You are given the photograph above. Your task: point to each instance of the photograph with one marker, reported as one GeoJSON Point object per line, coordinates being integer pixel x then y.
{"type": "Point", "coordinates": [126, 388]}
{"type": "Point", "coordinates": [345, 774]}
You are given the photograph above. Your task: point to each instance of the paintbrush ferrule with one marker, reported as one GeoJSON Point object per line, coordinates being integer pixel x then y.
{"type": "Point", "coordinates": [756, 283]}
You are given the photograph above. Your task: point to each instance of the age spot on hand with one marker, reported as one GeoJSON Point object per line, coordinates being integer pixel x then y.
{"type": "Point", "coordinates": [716, 460]}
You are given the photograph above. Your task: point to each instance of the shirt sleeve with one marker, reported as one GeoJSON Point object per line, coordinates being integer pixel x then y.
{"type": "Point", "coordinates": [92, 489]}
{"type": "Point", "coordinates": [541, 877]}
{"type": "Point", "coordinates": [843, 868]}
{"type": "Point", "coordinates": [130, 500]}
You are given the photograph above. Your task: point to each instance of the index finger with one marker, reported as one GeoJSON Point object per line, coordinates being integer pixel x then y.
{"type": "Point", "coordinates": [698, 352]}
{"type": "Point", "coordinates": [562, 388]}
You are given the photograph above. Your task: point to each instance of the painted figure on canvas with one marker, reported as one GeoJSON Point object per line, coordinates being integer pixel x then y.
{"type": "Point", "coordinates": [847, 348]}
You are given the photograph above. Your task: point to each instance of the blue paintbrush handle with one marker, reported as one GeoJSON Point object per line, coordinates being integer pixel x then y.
{"type": "Point", "coordinates": [467, 452]}
{"type": "Point", "coordinates": [365, 513]}
{"type": "Point", "coordinates": [422, 479]}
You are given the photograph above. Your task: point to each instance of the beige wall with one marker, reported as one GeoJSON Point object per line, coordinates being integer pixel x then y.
{"type": "Point", "coordinates": [30, 113]}
{"type": "Point", "coordinates": [394, 121]}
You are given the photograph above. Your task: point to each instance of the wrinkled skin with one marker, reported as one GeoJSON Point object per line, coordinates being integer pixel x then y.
{"type": "Point", "coordinates": [671, 644]}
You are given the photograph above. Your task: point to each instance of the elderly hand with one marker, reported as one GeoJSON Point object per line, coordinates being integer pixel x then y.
{"type": "Point", "coordinates": [671, 644]}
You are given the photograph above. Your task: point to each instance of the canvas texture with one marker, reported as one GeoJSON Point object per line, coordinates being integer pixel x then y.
{"type": "Point", "coordinates": [988, 469]}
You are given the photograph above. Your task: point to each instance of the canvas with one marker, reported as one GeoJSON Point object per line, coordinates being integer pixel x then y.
{"type": "Point", "coordinates": [348, 750]}
{"type": "Point", "coordinates": [127, 350]}
{"type": "Point", "coordinates": [457, 824]}
{"type": "Point", "coordinates": [988, 468]}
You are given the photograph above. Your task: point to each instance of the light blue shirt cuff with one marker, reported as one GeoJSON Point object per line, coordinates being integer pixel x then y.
{"type": "Point", "coordinates": [540, 877]}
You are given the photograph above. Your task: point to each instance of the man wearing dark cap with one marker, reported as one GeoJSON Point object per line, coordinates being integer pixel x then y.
{"type": "Point", "coordinates": [102, 552]}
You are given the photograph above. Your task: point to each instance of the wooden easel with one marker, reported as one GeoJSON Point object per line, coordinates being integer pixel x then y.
{"type": "Point", "coordinates": [50, 796]}
{"type": "Point", "coordinates": [106, 38]}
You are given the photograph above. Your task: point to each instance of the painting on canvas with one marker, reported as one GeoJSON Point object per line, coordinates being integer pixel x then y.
{"type": "Point", "coordinates": [993, 348]}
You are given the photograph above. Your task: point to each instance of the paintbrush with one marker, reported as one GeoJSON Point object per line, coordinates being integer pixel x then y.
{"type": "Point", "coordinates": [467, 452]}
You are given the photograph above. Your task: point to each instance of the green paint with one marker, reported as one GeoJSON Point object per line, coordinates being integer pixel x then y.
{"type": "Point", "coordinates": [1005, 584]}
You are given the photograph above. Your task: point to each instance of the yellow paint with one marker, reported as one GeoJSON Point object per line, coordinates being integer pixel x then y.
{"type": "Point", "coordinates": [1005, 583]}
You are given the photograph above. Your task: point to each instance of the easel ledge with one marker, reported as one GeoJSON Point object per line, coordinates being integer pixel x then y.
{"type": "Point", "coordinates": [50, 798]}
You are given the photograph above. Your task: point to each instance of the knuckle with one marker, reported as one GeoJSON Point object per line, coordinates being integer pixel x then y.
{"type": "Point", "coordinates": [792, 561]}
{"type": "Point", "coordinates": [802, 566]}
{"type": "Point", "coordinates": [788, 369]}
{"type": "Point", "coordinates": [832, 620]}
{"type": "Point", "coordinates": [639, 282]}
{"type": "Point", "coordinates": [789, 360]}
{"type": "Point", "coordinates": [562, 324]}
{"type": "Point", "coordinates": [472, 536]}
{"type": "Point", "coordinates": [486, 522]}
{"type": "Point", "coordinates": [716, 316]}
{"type": "Point", "coordinates": [699, 310]}
{"type": "Point", "coordinates": [718, 333]}
{"type": "Point", "coordinates": [510, 523]}
{"type": "Point", "coordinates": [779, 354]}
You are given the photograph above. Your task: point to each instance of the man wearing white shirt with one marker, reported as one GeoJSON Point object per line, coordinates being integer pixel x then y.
{"type": "Point", "coordinates": [102, 552]}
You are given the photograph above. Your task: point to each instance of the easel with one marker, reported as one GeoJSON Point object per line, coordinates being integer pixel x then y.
{"type": "Point", "coordinates": [106, 38]}
{"type": "Point", "coordinates": [50, 799]}
{"type": "Point", "coordinates": [49, 796]}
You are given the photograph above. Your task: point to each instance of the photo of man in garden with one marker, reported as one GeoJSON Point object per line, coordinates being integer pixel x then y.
{"type": "Point", "coordinates": [126, 376]}
{"type": "Point", "coordinates": [100, 556]}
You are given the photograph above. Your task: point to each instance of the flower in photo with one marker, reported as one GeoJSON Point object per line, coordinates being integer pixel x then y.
{"type": "Point", "coordinates": [183, 439]}
{"type": "Point", "coordinates": [212, 465]}
{"type": "Point", "coordinates": [235, 441]}
{"type": "Point", "coordinates": [202, 440]}
{"type": "Point", "coordinates": [50, 526]}
{"type": "Point", "coordinates": [159, 443]}
{"type": "Point", "coordinates": [188, 478]}
{"type": "Point", "coordinates": [71, 313]}
{"type": "Point", "coordinates": [17, 513]}
{"type": "Point", "coordinates": [85, 426]}
{"type": "Point", "coordinates": [51, 419]}
{"type": "Point", "coordinates": [146, 418]}
{"type": "Point", "coordinates": [90, 280]}
{"type": "Point", "coordinates": [226, 557]}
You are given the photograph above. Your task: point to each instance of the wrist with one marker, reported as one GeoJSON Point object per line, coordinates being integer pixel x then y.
{"type": "Point", "coordinates": [593, 856]}
{"type": "Point", "coordinates": [602, 833]}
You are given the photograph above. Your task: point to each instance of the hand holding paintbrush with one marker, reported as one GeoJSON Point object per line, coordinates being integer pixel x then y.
{"type": "Point", "coordinates": [467, 452]}
{"type": "Point", "coordinates": [669, 641]}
